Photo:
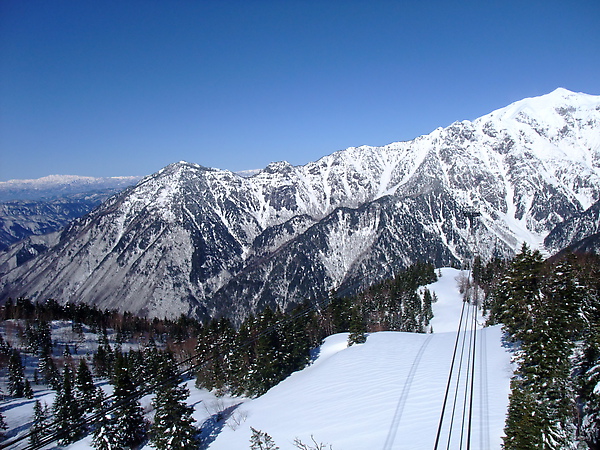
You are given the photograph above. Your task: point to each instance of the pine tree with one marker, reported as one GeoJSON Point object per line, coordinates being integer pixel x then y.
{"type": "Point", "coordinates": [214, 346]}
{"type": "Point", "coordinates": [130, 425]}
{"type": "Point", "coordinates": [3, 425]}
{"type": "Point", "coordinates": [518, 295]}
{"type": "Point", "coordinates": [524, 423]}
{"type": "Point", "coordinates": [357, 327]}
{"type": "Point", "coordinates": [40, 418]}
{"type": "Point", "coordinates": [546, 319]}
{"type": "Point", "coordinates": [27, 390]}
{"type": "Point", "coordinates": [104, 436]}
{"type": "Point", "coordinates": [265, 369]}
{"type": "Point", "coordinates": [85, 390]}
{"type": "Point", "coordinates": [67, 410]}
{"type": "Point", "coordinates": [588, 382]}
{"type": "Point", "coordinates": [173, 422]}
{"type": "Point", "coordinates": [427, 307]}
{"type": "Point", "coordinates": [49, 371]}
{"type": "Point", "coordinates": [16, 375]}
{"type": "Point", "coordinates": [101, 362]}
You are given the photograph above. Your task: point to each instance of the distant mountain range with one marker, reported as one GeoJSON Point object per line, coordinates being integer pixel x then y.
{"type": "Point", "coordinates": [208, 242]}
{"type": "Point", "coordinates": [34, 207]}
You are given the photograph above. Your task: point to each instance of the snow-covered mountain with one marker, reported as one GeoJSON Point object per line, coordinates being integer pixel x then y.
{"type": "Point", "coordinates": [577, 228]}
{"type": "Point", "coordinates": [193, 240]}
{"type": "Point", "coordinates": [44, 205]}
{"type": "Point", "coordinates": [58, 186]}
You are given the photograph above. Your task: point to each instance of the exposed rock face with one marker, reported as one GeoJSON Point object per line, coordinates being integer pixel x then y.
{"type": "Point", "coordinates": [193, 240]}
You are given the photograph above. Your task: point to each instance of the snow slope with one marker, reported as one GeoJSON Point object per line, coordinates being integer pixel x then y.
{"type": "Point", "coordinates": [384, 394]}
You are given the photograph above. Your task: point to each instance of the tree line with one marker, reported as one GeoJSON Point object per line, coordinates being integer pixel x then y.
{"type": "Point", "coordinates": [248, 360]}
{"type": "Point", "coordinates": [550, 312]}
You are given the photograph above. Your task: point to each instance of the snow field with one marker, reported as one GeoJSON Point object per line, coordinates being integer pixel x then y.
{"type": "Point", "coordinates": [385, 394]}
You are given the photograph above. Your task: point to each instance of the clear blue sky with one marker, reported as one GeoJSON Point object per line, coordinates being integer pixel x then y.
{"type": "Point", "coordinates": [107, 88]}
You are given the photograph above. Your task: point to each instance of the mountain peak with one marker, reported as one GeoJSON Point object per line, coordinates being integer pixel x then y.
{"type": "Point", "coordinates": [191, 239]}
{"type": "Point", "coordinates": [549, 108]}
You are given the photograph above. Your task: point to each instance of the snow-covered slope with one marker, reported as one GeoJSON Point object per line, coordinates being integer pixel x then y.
{"type": "Point", "coordinates": [386, 394]}
{"type": "Point", "coordinates": [194, 240]}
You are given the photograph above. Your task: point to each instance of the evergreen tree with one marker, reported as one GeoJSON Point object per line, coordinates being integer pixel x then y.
{"type": "Point", "coordinates": [411, 313]}
{"type": "Point", "coordinates": [173, 422]}
{"type": "Point", "coordinates": [67, 410]}
{"type": "Point", "coordinates": [104, 436]}
{"type": "Point", "coordinates": [265, 369]}
{"type": "Point", "coordinates": [49, 371]}
{"type": "Point", "coordinates": [86, 391]}
{"type": "Point", "coordinates": [3, 425]}
{"type": "Point", "coordinates": [40, 419]}
{"type": "Point", "coordinates": [547, 308]}
{"type": "Point", "coordinates": [215, 342]}
{"type": "Point", "coordinates": [357, 328]}
{"type": "Point", "coordinates": [518, 295]}
{"type": "Point", "coordinates": [427, 307]}
{"type": "Point", "coordinates": [101, 362]}
{"type": "Point", "coordinates": [16, 375]}
{"type": "Point", "coordinates": [130, 425]}
{"type": "Point", "coordinates": [27, 390]}
{"type": "Point", "coordinates": [588, 383]}
{"type": "Point", "coordinates": [524, 423]}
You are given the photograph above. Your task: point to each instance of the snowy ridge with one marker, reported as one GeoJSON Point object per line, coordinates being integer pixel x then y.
{"type": "Point", "coordinates": [191, 239]}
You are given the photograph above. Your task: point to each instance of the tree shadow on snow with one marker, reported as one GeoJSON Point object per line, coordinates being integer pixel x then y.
{"type": "Point", "coordinates": [212, 427]}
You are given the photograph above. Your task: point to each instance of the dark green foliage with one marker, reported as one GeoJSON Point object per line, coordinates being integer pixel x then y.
{"type": "Point", "coordinates": [3, 425]}
{"type": "Point", "coordinates": [38, 337]}
{"type": "Point", "coordinates": [27, 390]}
{"type": "Point", "coordinates": [268, 348]}
{"type": "Point", "coordinates": [16, 375]}
{"type": "Point", "coordinates": [47, 368]}
{"type": "Point", "coordinates": [524, 422]}
{"type": "Point", "coordinates": [215, 343]}
{"type": "Point", "coordinates": [104, 435]}
{"type": "Point", "coordinates": [124, 427]}
{"type": "Point", "coordinates": [102, 361]}
{"type": "Point", "coordinates": [130, 425]}
{"type": "Point", "coordinates": [547, 308]}
{"type": "Point", "coordinates": [67, 411]}
{"type": "Point", "coordinates": [173, 422]}
{"type": "Point", "coordinates": [519, 295]}
{"type": "Point", "coordinates": [397, 304]}
{"type": "Point", "coordinates": [85, 390]}
{"type": "Point", "coordinates": [40, 419]}
{"type": "Point", "coordinates": [427, 310]}
{"type": "Point", "coordinates": [357, 328]}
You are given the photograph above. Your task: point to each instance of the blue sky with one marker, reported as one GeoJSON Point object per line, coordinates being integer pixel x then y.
{"type": "Point", "coordinates": [108, 88]}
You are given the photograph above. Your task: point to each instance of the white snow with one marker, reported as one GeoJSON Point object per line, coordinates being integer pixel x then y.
{"type": "Point", "coordinates": [384, 394]}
